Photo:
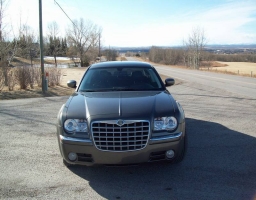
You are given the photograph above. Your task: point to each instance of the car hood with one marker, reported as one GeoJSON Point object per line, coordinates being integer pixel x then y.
{"type": "Point", "coordinates": [120, 104]}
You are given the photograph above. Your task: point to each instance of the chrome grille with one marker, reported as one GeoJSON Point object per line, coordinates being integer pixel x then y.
{"type": "Point", "coordinates": [131, 136]}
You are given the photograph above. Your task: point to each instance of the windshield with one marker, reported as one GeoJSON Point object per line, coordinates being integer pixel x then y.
{"type": "Point", "coordinates": [120, 79]}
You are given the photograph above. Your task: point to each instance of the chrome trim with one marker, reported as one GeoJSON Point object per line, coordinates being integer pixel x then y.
{"type": "Point", "coordinates": [71, 139]}
{"type": "Point", "coordinates": [125, 121]}
{"type": "Point", "coordinates": [165, 138]}
{"type": "Point", "coordinates": [120, 122]}
{"type": "Point", "coordinates": [114, 122]}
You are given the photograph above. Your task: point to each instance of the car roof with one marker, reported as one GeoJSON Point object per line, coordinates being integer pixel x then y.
{"type": "Point", "coordinates": [121, 64]}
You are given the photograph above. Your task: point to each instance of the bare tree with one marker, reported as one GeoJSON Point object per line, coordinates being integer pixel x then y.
{"type": "Point", "coordinates": [110, 54]}
{"type": "Point", "coordinates": [167, 56]}
{"type": "Point", "coordinates": [27, 42]}
{"type": "Point", "coordinates": [55, 47]}
{"type": "Point", "coordinates": [5, 46]}
{"type": "Point", "coordinates": [82, 36]}
{"type": "Point", "coordinates": [194, 47]}
{"type": "Point", "coordinates": [27, 47]}
{"type": "Point", "coordinates": [3, 5]}
{"type": "Point", "coordinates": [71, 53]}
{"type": "Point", "coordinates": [53, 29]}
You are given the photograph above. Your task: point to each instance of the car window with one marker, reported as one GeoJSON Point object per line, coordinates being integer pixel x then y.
{"type": "Point", "coordinates": [127, 78]}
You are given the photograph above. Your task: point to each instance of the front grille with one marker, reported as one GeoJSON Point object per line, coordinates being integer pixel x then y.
{"type": "Point", "coordinates": [131, 136]}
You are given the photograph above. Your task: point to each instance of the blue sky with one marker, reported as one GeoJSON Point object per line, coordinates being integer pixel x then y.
{"type": "Point", "coordinates": [146, 22]}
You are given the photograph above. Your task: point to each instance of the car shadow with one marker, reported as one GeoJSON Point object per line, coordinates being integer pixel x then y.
{"type": "Point", "coordinates": [220, 164]}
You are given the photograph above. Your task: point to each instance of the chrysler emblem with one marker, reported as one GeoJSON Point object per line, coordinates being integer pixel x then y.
{"type": "Point", "coordinates": [120, 122]}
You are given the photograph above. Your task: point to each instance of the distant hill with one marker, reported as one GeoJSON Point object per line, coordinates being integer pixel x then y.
{"type": "Point", "coordinates": [131, 49]}
{"type": "Point", "coordinates": [232, 46]}
{"type": "Point", "coordinates": [210, 46]}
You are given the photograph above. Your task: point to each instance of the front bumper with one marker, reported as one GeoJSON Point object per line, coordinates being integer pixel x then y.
{"type": "Point", "coordinates": [88, 154]}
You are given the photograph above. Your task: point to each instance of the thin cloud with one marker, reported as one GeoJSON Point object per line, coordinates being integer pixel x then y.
{"type": "Point", "coordinates": [232, 21]}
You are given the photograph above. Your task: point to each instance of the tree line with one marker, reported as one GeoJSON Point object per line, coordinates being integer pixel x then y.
{"type": "Point", "coordinates": [193, 54]}
{"type": "Point", "coordinates": [81, 43]}
{"type": "Point", "coordinates": [183, 56]}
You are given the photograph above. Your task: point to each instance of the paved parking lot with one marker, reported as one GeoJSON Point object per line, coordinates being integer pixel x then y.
{"type": "Point", "coordinates": [220, 162]}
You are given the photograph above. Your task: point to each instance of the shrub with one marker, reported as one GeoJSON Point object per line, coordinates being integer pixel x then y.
{"type": "Point", "coordinates": [24, 76]}
{"type": "Point", "coordinates": [54, 76]}
{"type": "Point", "coordinates": [2, 80]}
{"type": "Point", "coordinates": [12, 79]}
{"type": "Point", "coordinates": [38, 76]}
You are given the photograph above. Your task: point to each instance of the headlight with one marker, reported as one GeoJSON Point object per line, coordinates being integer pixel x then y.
{"type": "Point", "coordinates": [165, 123]}
{"type": "Point", "coordinates": [75, 125]}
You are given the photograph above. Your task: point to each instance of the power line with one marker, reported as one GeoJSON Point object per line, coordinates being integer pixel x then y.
{"type": "Point", "coordinates": [65, 14]}
{"type": "Point", "coordinates": [75, 25]}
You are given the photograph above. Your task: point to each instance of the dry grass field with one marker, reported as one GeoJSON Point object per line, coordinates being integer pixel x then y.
{"type": "Point", "coordinates": [242, 68]}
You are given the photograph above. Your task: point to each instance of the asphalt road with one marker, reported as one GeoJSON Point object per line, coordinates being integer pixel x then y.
{"type": "Point", "coordinates": [220, 162]}
{"type": "Point", "coordinates": [245, 86]}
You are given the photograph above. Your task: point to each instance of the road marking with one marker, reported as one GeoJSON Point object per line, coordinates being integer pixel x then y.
{"type": "Point", "coordinates": [208, 76]}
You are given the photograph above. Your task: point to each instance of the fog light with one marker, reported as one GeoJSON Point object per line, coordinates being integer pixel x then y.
{"type": "Point", "coordinates": [72, 156]}
{"type": "Point", "coordinates": [169, 154]}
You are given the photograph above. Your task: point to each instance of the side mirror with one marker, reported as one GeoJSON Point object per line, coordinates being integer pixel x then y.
{"type": "Point", "coordinates": [71, 83]}
{"type": "Point", "coordinates": [169, 81]}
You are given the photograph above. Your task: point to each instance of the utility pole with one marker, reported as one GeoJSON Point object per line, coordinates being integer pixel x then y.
{"type": "Point", "coordinates": [99, 48]}
{"type": "Point", "coordinates": [41, 46]}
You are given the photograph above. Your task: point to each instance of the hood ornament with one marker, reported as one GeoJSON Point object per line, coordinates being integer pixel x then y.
{"type": "Point", "coordinates": [120, 122]}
